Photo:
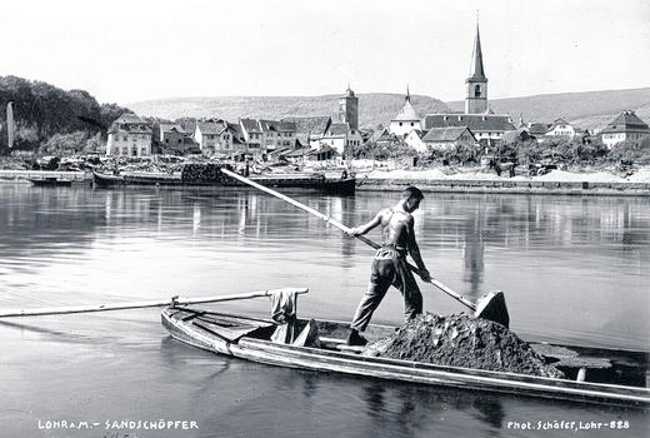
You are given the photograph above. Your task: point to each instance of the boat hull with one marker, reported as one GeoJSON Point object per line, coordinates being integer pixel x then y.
{"type": "Point", "coordinates": [345, 186]}
{"type": "Point", "coordinates": [322, 360]}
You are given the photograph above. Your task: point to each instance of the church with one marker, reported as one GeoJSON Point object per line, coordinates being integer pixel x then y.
{"type": "Point", "coordinates": [478, 117]}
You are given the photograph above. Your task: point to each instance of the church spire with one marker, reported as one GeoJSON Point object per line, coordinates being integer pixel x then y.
{"type": "Point", "coordinates": [476, 70]}
{"type": "Point", "coordinates": [408, 94]}
{"type": "Point", "coordinates": [477, 83]}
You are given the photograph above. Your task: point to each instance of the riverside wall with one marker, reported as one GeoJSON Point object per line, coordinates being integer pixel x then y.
{"type": "Point", "coordinates": [509, 186]}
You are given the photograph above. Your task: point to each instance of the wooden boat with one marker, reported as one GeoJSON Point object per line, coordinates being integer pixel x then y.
{"type": "Point", "coordinates": [343, 186]}
{"type": "Point", "coordinates": [107, 180]}
{"type": "Point", "coordinates": [50, 181]}
{"type": "Point", "coordinates": [249, 338]}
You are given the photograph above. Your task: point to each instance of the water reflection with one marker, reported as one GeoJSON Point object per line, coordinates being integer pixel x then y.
{"type": "Point", "coordinates": [559, 249]}
{"type": "Point", "coordinates": [78, 246]}
{"type": "Point", "coordinates": [474, 252]}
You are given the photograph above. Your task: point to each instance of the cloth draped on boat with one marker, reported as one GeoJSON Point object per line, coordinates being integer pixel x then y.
{"type": "Point", "coordinates": [283, 312]}
{"type": "Point", "coordinates": [230, 331]}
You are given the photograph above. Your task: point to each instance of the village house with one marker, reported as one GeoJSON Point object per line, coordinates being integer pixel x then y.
{"type": "Point", "coordinates": [414, 140]}
{"type": "Point", "coordinates": [383, 138]}
{"type": "Point", "coordinates": [627, 126]}
{"type": "Point", "coordinates": [447, 138]}
{"type": "Point", "coordinates": [519, 135]}
{"type": "Point", "coordinates": [277, 134]}
{"type": "Point", "coordinates": [341, 137]}
{"type": "Point", "coordinates": [172, 138]}
{"type": "Point", "coordinates": [488, 129]}
{"type": "Point", "coordinates": [130, 136]}
{"type": "Point", "coordinates": [407, 119]}
{"type": "Point", "coordinates": [252, 135]}
{"type": "Point", "coordinates": [538, 130]}
{"type": "Point", "coordinates": [561, 128]}
{"type": "Point", "coordinates": [309, 130]}
{"type": "Point", "coordinates": [323, 153]}
{"type": "Point", "coordinates": [237, 140]}
{"type": "Point", "coordinates": [206, 134]}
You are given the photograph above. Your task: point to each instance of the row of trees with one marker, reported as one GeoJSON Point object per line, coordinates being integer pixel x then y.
{"type": "Point", "coordinates": [575, 152]}
{"type": "Point", "coordinates": [557, 151]}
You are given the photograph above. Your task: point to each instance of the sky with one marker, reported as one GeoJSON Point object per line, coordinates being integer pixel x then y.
{"type": "Point", "coordinates": [129, 51]}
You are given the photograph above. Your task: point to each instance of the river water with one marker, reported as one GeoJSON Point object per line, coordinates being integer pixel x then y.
{"type": "Point", "coordinates": [574, 270]}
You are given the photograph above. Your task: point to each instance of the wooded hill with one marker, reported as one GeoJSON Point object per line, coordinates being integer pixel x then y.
{"type": "Point", "coordinates": [374, 108]}
{"type": "Point", "coordinates": [42, 111]}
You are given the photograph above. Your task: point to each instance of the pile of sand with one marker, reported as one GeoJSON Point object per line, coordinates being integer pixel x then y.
{"type": "Point", "coordinates": [594, 177]}
{"type": "Point", "coordinates": [642, 175]}
{"type": "Point", "coordinates": [434, 174]}
{"type": "Point", "coordinates": [462, 341]}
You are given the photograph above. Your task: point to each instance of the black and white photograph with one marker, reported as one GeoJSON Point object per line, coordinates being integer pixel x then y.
{"type": "Point", "coordinates": [347, 218]}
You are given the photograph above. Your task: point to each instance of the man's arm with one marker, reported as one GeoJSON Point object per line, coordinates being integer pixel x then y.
{"type": "Point", "coordinates": [414, 251]}
{"type": "Point", "coordinates": [363, 229]}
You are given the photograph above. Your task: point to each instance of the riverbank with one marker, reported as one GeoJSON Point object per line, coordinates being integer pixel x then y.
{"type": "Point", "coordinates": [556, 182]}
{"type": "Point", "coordinates": [479, 181]}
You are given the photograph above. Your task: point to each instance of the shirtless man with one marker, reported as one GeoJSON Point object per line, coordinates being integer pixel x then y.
{"type": "Point", "coordinates": [389, 266]}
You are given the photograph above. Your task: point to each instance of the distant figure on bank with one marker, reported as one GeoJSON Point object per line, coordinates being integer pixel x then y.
{"type": "Point", "coordinates": [389, 266]}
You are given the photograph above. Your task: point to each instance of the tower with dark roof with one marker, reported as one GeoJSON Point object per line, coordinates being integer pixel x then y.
{"type": "Point", "coordinates": [407, 119]}
{"type": "Point", "coordinates": [349, 109]}
{"type": "Point", "coordinates": [476, 98]}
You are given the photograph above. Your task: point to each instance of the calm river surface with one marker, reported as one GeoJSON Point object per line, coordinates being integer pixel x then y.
{"type": "Point", "coordinates": [574, 270]}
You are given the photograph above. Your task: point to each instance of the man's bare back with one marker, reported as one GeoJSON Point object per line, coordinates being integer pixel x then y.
{"type": "Point", "coordinates": [396, 227]}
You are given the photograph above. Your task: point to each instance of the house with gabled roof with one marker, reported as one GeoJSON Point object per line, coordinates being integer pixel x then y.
{"type": "Point", "coordinates": [129, 135]}
{"type": "Point", "coordinates": [447, 138]}
{"type": "Point", "coordinates": [488, 128]}
{"type": "Point", "coordinates": [341, 137]}
{"type": "Point", "coordinates": [219, 136]}
{"type": "Point", "coordinates": [625, 127]}
{"type": "Point", "coordinates": [561, 128]}
{"type": "Point", "coordinates": [309, 129]}
{"type": "Point", "coordinates": [277, 134]}
{"type": "Point", "coordinates": [414, 140]}
{"type": "Point", "coordinates": [172, 138]}
{"type": "Point", "coordinates": [206, 134]}
{"type": "Point", "coordinates": [252, 135]}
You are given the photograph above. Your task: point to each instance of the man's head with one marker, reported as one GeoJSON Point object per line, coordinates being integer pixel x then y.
{"type": "Point", "coordinates": [411, 197]}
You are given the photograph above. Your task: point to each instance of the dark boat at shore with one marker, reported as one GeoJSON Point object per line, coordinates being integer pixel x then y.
{"type": "Point", "coordinates": [50, 182]}
{"type": "Point", "coordinates": [343, 186]}
{"type": "Point", "coordinates": [622, 382]}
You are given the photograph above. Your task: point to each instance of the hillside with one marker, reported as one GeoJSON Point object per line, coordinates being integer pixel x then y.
{"type": "Point", "coordinates": [589, 110]}
{"type": "Point", "coordinates": [43, 111]}
{"type": "Point", "coordinates": [374, 108]}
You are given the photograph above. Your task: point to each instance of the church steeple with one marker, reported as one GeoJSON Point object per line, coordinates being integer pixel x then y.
{"type": "Point", "coordinates": [476, 98]}
{"type": "Point", "coordinates": [408, 94]}
{"type": "Point", "coordinates": [476, 69]}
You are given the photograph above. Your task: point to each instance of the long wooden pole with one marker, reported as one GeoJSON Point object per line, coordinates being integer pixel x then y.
{"type": "Point", "coordinates": [174, 301]}
{"type": "Point", "coordinates": [346, 230]}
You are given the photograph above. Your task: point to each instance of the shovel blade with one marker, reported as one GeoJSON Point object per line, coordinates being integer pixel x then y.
{"type": "Point", "coordinates": [492, 306]}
